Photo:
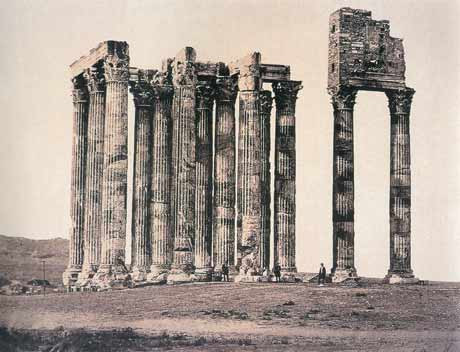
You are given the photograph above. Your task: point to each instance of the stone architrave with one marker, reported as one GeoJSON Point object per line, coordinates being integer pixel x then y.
{"type": "Point", "coordinates": [285, 175]}
{"type": "Point", "coordinates": [203, 190]}
{"type": "Point", "coordinates": [224, 175]}
{"type": "Point", "coordinates": [183, 165]}
{"type": "Point", "coordinates": [249, 169]}
{"type": "Point", "coordinates": [94, 165]}
{"type": "Point", "coordinates": [78, 177]}
{"type": "Point", "coordinates": [400, 187]}
{"type": "Point", "coordinates": [265, 177]}
{"type": "Point", "coordinates": [343, 101]}
{"type": "Point", "coordinates": [114, 184]}
{"type": "Point", "coordinates": [160, 211]}
{"type": "Point", "coordinates": [140, 232]}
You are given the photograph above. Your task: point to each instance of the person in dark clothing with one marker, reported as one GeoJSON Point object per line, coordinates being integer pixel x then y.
{"type": "Point", "coordinates": [277, 272]}
{"type": "Point", "coordinates": [225, 272]}
{"type": "Point", "coordinates": [322, 275]}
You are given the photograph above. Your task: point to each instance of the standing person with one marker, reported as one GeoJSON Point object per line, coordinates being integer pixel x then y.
{"type": "Point", "coordinates": [322, 275]}
{"type": "Point", "coordinates": [277, 272]}
{"type": "Point", "coordinates": [225, 272]}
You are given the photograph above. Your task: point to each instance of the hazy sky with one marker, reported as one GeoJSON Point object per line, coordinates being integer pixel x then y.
{"type": "Point", "coordinates": [41, 38]}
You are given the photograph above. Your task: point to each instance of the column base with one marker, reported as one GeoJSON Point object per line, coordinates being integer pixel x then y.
{"type": "Point", "coordinates": [139, 273]}
{"type": "Point", "coordinates": [341, 275]}
{"type": "Point", "coordinates": [204, 274]}
{"type": "Point", "coordinates": [158, 273]}
{"type": "Point", "coordinates": [400, 277]}
{"type": "Point", "coordinates": [179, 276]}
{"type": "Point", "coordinates": [87, 273]}
{"type": "Point", "coordinates": [70, 275]}
{"type": "Point", "coordinates": [232, 273]}
{"type": "Point", "coordinates": [111, 276]}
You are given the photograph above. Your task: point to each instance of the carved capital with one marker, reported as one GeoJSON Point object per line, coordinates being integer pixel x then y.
{"type": "Point", "coordinates": [184, 74]}
{"type": "Point", "coordinates": [266, 101]}
{"type": "Point", "coordinates": [80, 89]}
{"type": "Point", "coordinates": [286, 93]}
{"type": "Point", "coordinates": [142, 89]}
{"type": "Point", "coordinates": [343, 98]}
{"type": "Point", "coordinates": [226, 89]}
{"type": "Point", "coordinates": [400, 101]}
{"type": "Point", "coordinates": [95, 78]}
{"type": "Point", "coordinates": [205, 92]}
{"type": "Point", "coordinates": [162, 86]}
{"type": "Point", "coordinates": [116, 66]}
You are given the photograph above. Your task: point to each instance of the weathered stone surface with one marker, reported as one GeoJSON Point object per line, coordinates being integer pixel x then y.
{"type": "Point", "coordinates": [343, 101]}
{"type": "Point", "coordinates": [141, 245]}
{"type": "Point", "coordinates": [114, 184]}
{"type": "Point", "coordinates": [224, 175]}
{"type": "Point", "coordinates": [285, 176]}
{"type": "Point", "coordinates": [203, 191]}
{"type": "Point", "coordinates": [183, 164]}
{"type": "Point", "coordinates": [265, 179]}
{"type": "Point", "coordinates": [78, 178]}
{"type": "Point", "coordinates": [94, 165]}
{"type": "Point", "coordinates": [400, 185]}
{"type": "Point", "coordinates": [160, 211]}
{"type": "Point", "coordinates": [362, 53]}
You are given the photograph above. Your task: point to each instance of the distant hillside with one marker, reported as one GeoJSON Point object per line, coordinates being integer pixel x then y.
{"type": "Point", "coordinates": [21, 258]}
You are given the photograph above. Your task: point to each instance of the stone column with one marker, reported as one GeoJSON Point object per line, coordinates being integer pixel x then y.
{"type": "Point", "coordinates": [249, 168]}
{"type": "Point", "coordinates": [183, 165]}
{"type": "Point", "coordinates": [265, 178]}
{"type": "Point", "coordinates": [203, 190]}
{"type": "Point", "coordinates": [400, 187]}
{"type": "Point", "coordinates": [143, 104]}
{"type": "Point", "coordinates": [78, 175]}
{"type": "Point", "coordinates": [160, 212]}
{"type": "Point", "coordinates": [94, 164]}
{"type": "Point", "coordinates": [114, 182]}
{"type": "Point", "coordinates": [343, 101]}
{"type": "Point", "coordinates": [285, 175]}
{"type": "Point", "coordinates": [224, 175]}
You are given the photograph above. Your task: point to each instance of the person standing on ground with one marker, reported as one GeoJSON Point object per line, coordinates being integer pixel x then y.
{"type": "Point", "coordinates": [277, 272]}
{"type": "Point", "coordinates": [322, 275]}
{"type": "Point", "coordinates": [225, 272]}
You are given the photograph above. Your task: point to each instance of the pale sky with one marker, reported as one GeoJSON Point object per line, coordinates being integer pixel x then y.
{"type": "Point", "coordinates": [42, 38]}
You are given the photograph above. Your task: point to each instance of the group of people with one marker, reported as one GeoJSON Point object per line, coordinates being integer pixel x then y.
{"type": "Point", "coordinates": [277, 273]}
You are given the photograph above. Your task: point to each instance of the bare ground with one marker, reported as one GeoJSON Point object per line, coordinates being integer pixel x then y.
{"type": "Point", "coordinates": [243, 317]}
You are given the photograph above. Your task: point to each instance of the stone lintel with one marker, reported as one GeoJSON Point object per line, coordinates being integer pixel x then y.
{"type": "Point", "coordinates": [104, 49]}
{"type": "Point", "coordinates": [274, 73]}
{"type": "Point", "coordinates": [269, 73]}
{"type": "Point", "coordinates": [137, 74]}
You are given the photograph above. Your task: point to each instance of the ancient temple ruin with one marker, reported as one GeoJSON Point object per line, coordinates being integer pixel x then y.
{"type": "Point", "coordinates": [363, 56]}
{"type": "Point", "coordinates": [198, 188]}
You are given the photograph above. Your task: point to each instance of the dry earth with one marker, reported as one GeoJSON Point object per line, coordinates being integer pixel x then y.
{"type": "Point", "coordinates": [243, 317]}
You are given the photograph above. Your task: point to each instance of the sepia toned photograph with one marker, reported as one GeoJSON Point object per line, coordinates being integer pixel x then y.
{"type": "Point", "coordinates": [233, 175]}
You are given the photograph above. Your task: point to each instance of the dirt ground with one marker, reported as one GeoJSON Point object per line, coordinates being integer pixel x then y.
{"type": "Point", "coordinates": [237, 317]}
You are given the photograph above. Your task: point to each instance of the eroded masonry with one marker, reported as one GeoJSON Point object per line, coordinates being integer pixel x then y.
{"type": "Point", "coordinates": [199, 189]}
{"type": "Point", "coordinates": [363, 56]}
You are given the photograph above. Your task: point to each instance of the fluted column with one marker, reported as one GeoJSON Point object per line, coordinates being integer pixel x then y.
{"type": "Point", "coordinates": [143, 104]}
{"type": "Point", "coordinates": [285, 175]}
{"type": "Point", "coordinates": [78, 175]}
{"type": "Point", "coordinates": [160, 212]}
{"type": "Point", "coordinates": [224, 175]}
{"type": "Point", "coordinates": [114, 183]}
{"type": "Point", "coordinates": [183, 164]}
{"type": "Point", "coordinates": [203, 190]}
{"type": "Point", "coordinates": [265, 178]}
{"type": "Point", "coordinates": [94, 165]}
{"type": "Point", "coordinates": [343, 101]}
{"type": "Point", "coordinates": [400, 184]}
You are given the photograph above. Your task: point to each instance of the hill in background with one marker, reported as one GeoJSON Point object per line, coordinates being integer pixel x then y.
{"type": "Point", "coordinates": [21, 258]}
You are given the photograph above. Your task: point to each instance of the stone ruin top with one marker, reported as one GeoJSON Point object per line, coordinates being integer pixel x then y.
{"type": "Point", "coordinates": [362, 54]}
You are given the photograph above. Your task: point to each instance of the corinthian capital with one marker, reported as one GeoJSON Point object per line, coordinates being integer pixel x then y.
{"type": "Point", "coordinates": [184, 74]}
{"type": "Point", "coordinates": [142, 88]}
{"type": "Point", "coordinates": [226, 89]}
{"type": "Point", "coordinates": [116, 65]}
{"type": "Point", "coordinates": [205, 92]}
{"type": "Point", "coordinates": [80, 90]}
{"type": "Point", "coordinates": [286, 93]}
{"type": "Point", "coordinates": [95, 78]}
{"type": "Point", "coordinates": [266, 101]}
{"type": "Point", "coordinates": [343, 98]}
{"type": "Point", "coordinates": [162, 86]}
{"type": "Point", "coordinates": [400, 101]}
